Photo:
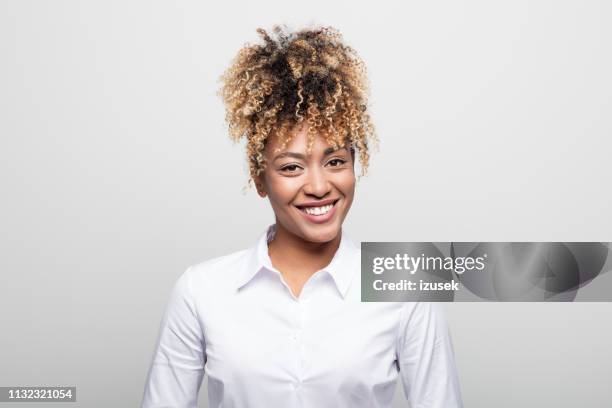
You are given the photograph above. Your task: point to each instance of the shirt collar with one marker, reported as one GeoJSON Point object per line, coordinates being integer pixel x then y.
{"type": "Point", "coordinates": [341, 268]}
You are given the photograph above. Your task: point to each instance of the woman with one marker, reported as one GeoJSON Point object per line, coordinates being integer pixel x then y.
{"type": "Point", "coordinates": [281, 324]}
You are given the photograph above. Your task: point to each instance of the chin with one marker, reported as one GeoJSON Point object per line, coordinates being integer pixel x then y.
{"type": "Point", "coordinates": [325, 234]}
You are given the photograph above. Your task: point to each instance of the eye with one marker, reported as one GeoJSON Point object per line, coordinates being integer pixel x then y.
{"type": "Point", "coordinates": [290, 168]}
{"type": "Point", "coordinates": [336, 162]}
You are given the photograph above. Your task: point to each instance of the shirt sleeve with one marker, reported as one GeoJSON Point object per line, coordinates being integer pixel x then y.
{"type": "Point", "coordinates": [426, 358]}
{"type": "Point", "coordinates": [177, 369]}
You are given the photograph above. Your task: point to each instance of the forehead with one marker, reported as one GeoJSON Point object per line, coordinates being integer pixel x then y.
{"type": "Point", "coordinates": [298, 142]}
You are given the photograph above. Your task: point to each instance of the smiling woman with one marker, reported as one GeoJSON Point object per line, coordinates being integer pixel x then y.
{"type": "Point", "coordinates": [282, 323]}
{"type": "Point", "coordinates": [319, 185]}
{"type": "Point", "coordinates": [311, 194]}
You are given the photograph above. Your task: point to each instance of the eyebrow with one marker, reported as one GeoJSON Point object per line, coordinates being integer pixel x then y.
{"type": "Point", "coordinates": [300, 156]}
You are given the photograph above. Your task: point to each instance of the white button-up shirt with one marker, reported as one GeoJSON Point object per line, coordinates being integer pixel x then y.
{"type": "Point", "coordinates": [235, 319]}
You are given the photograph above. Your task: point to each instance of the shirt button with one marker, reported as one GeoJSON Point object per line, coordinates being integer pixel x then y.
{"type": "Point", "coordinates": [297, 385]}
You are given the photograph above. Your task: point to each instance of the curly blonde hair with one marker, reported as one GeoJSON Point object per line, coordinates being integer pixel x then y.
{"type": "Point", "coordinates": [308, 77]}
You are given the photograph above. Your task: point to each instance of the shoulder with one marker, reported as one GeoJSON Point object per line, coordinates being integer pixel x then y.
{"type": "Point", "coordinates": [421, 320]}
{"type": "Point", "coordinates": [215, 273]}
{"type": "Point", "coordinates": [418, 311]}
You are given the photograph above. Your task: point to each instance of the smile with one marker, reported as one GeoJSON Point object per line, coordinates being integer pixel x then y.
{"type": "Point", "coordinates": [318, 210]}
{"type": "Point", "coordinates": [319, 214]}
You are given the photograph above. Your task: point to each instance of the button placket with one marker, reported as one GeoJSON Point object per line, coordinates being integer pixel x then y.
{"type": "Point", "coordinates": [298, 340]}
{"type": "Point", "coordinates": [298, 334]}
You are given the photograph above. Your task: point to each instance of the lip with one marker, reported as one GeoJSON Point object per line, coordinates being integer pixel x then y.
{"type": "Point", "coordinates": [318, 203]}
{"type": "Point", "coordinates": [319, 219]}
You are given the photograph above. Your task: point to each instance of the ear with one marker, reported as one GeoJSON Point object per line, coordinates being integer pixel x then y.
{"type": "Point", "coordinates": [259, 185]}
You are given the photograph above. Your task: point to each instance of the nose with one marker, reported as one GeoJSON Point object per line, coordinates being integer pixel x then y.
{"type": "Point", "coordinates": [317, 183]}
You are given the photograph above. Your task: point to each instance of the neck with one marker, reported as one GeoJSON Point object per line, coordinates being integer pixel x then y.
{"type": "Point", "coordinates": [293, 255]}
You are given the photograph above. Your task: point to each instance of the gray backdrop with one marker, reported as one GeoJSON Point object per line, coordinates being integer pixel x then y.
{"type": "Point", "coordinates": [116, 174]}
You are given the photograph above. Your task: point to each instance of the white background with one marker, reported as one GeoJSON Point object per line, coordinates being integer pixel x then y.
{"type": "Point", "coordinates": [116, 174]}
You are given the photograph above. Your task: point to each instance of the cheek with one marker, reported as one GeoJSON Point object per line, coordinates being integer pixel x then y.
{"type": "Point", "coordinates": [346, 183]}
{"type": "Point", "coordinates": [282, 190]}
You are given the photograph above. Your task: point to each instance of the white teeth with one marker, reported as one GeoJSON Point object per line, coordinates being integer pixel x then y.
{"type": "Point", "coordinates": [319, 210]}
